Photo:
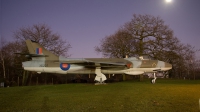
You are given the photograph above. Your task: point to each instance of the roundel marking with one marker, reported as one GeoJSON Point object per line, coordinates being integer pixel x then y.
{"type": "Point", "coordinates": [128, 65]}
{"type": "Point", "coordinates": [64, 66]}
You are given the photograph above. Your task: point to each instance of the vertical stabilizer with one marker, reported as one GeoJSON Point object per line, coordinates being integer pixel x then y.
{"type": "Point", "coordinates": [36, 49]}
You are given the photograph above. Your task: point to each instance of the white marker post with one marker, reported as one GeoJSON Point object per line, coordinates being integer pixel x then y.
{"type": "Point", "coordinates": [199, 104]}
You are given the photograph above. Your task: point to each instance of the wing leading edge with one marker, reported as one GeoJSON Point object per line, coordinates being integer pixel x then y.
{"type": "Point", "coordinates": [97, 62]}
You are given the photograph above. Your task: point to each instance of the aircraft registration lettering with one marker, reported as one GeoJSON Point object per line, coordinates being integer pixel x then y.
{"type": "Point", "coordinates": [154, 64]}
{"type": "Point", "coordinates": [44, 65]}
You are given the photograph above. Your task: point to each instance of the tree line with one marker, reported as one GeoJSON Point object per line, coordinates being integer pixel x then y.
{"type": "Point", "coordinates": [142, 35]}
{"type": "Point", "coordinates": [148, 35]}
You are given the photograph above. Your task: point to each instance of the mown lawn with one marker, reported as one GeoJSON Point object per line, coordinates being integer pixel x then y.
{"type": "Point", "coordinates": [129, 96]}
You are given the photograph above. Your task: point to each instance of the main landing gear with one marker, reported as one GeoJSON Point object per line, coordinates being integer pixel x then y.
{"type": "Point", "coordinates": [153, 81]}
{"type": "Point", "coordinates": [100, 78]}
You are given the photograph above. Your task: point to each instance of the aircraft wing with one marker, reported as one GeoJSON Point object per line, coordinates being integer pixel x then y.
{"type": "Point", "coordinates": [97, 63]}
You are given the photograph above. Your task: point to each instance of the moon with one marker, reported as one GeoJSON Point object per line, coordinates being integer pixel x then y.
{"type": "Point", "coordinates": [168, 1]}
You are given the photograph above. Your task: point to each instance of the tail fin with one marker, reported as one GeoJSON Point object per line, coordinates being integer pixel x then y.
{"type": "Point", "coordinates": [36, 51]}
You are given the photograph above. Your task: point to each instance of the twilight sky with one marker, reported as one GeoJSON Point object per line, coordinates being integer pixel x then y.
{"type": "Point", "coordinates": [83, 23]}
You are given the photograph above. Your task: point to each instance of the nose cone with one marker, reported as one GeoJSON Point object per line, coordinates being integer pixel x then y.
{"type": "Point", "coordinates": [168, 66]}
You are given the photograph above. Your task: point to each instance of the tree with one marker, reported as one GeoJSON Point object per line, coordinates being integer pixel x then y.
{"type": "Point", "coordinates": [117, 45]}
{"type": "Point", "coordinates": [11, 64]}
{"type": "Point", "coordinates": [146, 35]}
{"type": "Point", "coordinates": [42, 34]}
{"type": "Point", "coordinates": [8, 60]}
{"type": "Point", "coordinates": [151, 35]}
{"type": "Point", "coordinates": [3, 56]}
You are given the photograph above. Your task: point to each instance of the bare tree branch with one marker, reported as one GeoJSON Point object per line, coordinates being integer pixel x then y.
{"type": "Point", "coordinates": [42, 34]}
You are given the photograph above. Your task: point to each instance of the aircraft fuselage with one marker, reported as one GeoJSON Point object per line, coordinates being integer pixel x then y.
{"type": "Point", "coordinates": [136, 67]}
{"type": "Point", "coordinates": [44, 61]}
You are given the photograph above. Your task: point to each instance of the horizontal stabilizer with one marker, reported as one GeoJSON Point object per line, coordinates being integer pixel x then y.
{"type": "Point", "coordinates": [32, 55]}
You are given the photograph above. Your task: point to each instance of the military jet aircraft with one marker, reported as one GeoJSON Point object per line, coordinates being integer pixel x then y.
{"type": "Point", "coordinates": [43, 61]}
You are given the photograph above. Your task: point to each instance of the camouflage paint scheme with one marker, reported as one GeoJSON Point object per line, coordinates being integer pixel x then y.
{"type": "Point", "coordinates": [47, 62]}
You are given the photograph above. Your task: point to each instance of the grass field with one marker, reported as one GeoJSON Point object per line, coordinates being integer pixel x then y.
{"type": "Point", "coordinates": [129, 96]}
